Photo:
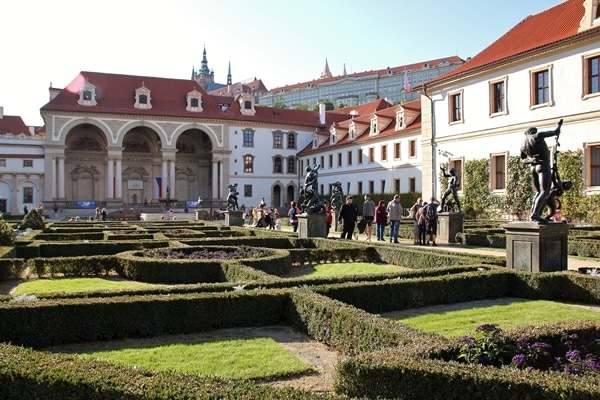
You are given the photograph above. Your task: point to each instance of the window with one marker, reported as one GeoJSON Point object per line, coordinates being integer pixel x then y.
{"type": "Point", "coordinates": [455, 107]}
{"type": "Point", "coordinates": [277, 167]}
{"type": "Point", "coordinates": [330, 161]}
{"type": "Point", "coordinates": [291, 165]}
{"type": "Point", "coordinates": [339, 158]}
{"type": "Point", "coordinates": [247, 190]}
{"type": "Point", "coordinates": [87, 95]}
{"type": "Point", "coordinates": [383, 153]}
{"type": "Point", "coordinates": [359, 156]}
{"type": "Point", "coordinates": [457, 165]}
{"type": "Point", "coordinates": [291, 140]}
{"type": "Point", "coordinates": [397, 150]}
{"type": "Point", "coordinates": [2, 162]}
{"type": "Point", "coordinates": [248, 163]}
{"type": "Point", "coordinates": [278, 140]}
{"type": "Point", "coordinates": [27, 163]}
{"type": "Point", "coordinates": [412, 148]}
{"type": "Point", "coordinates": [541, 87]}
{"type": "Point", "coordinates": [412, 185]}
{"type": "Point", "coordinates": [350, 158]}
{"type": "Point", "coordinates": [248, 137]}
{"type": "Point", "coordinates": [359, 187]}
{"type": "Point", "coordinates": [498, 97]}
{"type": "Point", "coordinates": [593, 164]}
{"type": "Point", "coordinates": [322, 161]}
{"type": "Point", "coordinates": [371, 186]}
{"type": "Point", "coordinates": [371, 154]}
{"type": "Point", "coordinates": [396, 186]}
{"type": "Point", "coordinates": [591, 74]}
{"type": "Point", "coordinates": [498, 171]}
{"type": "Point", "coordinates": [28, 194]}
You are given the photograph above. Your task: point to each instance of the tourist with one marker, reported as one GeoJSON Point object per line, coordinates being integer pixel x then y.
{"type": "Point", "coordinates": [394, 210]}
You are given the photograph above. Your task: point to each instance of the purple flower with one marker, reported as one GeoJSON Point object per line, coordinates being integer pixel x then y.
{"type": "Point", "coordinates": [519, 360]}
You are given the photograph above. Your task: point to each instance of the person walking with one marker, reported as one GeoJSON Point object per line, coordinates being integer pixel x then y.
{"type": "Point", "coordinates": [380, 220]}
{"type": "Point", "coordinates": [414, 213]}
{"type": "Point", "coordinates": [329, 214]}
{"type": "Point", "coordinates": [394, 210]}
{"type": "Point", "coordinates": [422, 225]}
{"type": "Point", "coordinates": [348, 217]}
{"type": "Point", "coordinates": [369, 215]}
{"type": "Point", "coordinates": [293, 214]}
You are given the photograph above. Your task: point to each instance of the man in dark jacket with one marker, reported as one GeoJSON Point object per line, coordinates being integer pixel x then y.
{"type": "Point", "coordinates": [348, 217]}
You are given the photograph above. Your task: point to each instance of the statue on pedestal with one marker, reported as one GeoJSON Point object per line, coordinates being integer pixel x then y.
{"type": "Point", "coordinates": [232, 203]}
{"type": "Point", "coordinates": [453, 183]}
{"type": "Point", "coordinates": [544, 177]}
{"type": "Point", "coordinates": [312, 204]}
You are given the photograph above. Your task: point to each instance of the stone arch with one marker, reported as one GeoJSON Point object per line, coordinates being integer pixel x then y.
{"type": "Point", "coordinates": [194, 159]}
{"type": "Point", "coordinates": [277, 194]}
{"type": "Point", "coordinates": [85, 159]}
{"type": "Point", "coordinates": [65, 130]}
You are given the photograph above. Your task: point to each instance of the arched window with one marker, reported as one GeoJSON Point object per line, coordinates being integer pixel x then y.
{"type": "Point", "coordinates": [277, 165]}
{"type": "Point", "coordinates": [278, 140]}
{"type": "Point", "coordinates": [291, 140]}
{"type": "Point", "coordinates": [249, 163]}
{"type": "Point", "coordinates": [291, 165]}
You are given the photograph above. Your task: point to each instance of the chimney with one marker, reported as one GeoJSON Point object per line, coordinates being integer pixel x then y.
{"type": "Point", "coordinates": [53, 92]}
{"type": "Point", "coordinates": [1, 112]}
{"type": "Point", "coordinates": [322, 113]}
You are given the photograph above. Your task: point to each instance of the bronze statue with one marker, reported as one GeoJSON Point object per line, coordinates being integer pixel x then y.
{"type": "Point", "coordinates": [536, 154]}
{"type": "Point", "coordinates": [452, 187]}
{"type": "Point", "coordinates": [312, 204]}
{"type": "Point", "coordinates": [337, 196]}
{"type": "Point", "coordinates": [232, 203]}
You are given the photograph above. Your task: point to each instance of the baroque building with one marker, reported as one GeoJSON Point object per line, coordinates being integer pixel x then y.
{"type": "Point", "coordinates": [349, 90]}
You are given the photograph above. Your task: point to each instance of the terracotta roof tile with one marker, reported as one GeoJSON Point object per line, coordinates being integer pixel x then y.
{"type": "Point", "coordinates": [534, 32]}
{"type": "Point", "coordinates": [14, 125]}
{"type": "Point", "coordinates": [116, 95]}
{"type": "Point", "coordinates": [385, 71]}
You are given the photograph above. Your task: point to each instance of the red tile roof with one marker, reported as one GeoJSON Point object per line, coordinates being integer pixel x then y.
{"type": "Point", "coordinates": [385, 71]}
{"type": "Point", "coordinates": [13, 124]}
{"type": "Point", "coordinates": [534, 32]}
{"type": "Point", "coordinates": [116, 95]}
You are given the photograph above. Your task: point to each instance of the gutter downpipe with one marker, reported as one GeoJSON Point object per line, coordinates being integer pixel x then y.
{"type": "Point", "coordinates": [432, 143]}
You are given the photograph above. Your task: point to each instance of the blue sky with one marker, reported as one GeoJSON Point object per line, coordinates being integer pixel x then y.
{"type": "Point", "coordinates": [281, 42]}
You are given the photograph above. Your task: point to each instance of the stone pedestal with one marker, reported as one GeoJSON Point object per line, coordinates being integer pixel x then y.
{"type": "Point", "coordinates": [449, 225]}
{"type": "Point", "coordinates": [234, 218]}
{"type": "Point", "coordinates": [533, 247]}
{"type": "Point", "coordinates": [312, 225]}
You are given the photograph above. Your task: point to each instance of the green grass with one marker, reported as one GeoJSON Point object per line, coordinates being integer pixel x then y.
{"type": "Point", "coordinates": [250, 358]}
{"type": "Point", "coordinates": [68, 285]}
{"type": "Point", "coordinates": [518, 313]}
{"type": "Point", "coordinates": [354, 268]}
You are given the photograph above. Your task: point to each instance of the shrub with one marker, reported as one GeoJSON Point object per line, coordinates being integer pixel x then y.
{"type": "Point", "coordinates": [33, 220]}
{"type": "Point", "coordinates": [7, 233]}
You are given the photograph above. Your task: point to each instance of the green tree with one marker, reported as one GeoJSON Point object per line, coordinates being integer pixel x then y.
{"type": "Point", "coordinates": [303, 107]}
{"type": "Point", "coordinates": [280, 103]}
{"type": "Point", "coordinates": [574, 203]}
{"type": "Point", "coordinates": [328, 105]}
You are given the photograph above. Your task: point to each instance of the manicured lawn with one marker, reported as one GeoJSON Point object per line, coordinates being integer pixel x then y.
{"type": "Point", "coordinates": [67, 285]}
{"type": "Point", "coordinates": [354, 268]}
{"type": "Point", "coordinates": [518, 313]}
{"type": "Point", "coordinates": [247, 358]}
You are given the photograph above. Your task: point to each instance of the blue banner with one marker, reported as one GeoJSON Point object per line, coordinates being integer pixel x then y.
{"type": "Point", "coordinates": [86, 204]}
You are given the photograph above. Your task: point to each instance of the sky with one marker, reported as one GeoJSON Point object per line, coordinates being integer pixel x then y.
{"type": "Point", "coordinates": [47, 43]}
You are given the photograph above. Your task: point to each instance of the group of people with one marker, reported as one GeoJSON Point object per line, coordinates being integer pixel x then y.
{"type": "Point", "coordinates": [371, 214]}
{"type": "Point", "coordinates": [425, 221]}
{"type": "Point", "coordinates": [263, 216]}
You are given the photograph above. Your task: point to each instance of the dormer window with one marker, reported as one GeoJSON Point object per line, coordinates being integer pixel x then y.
{"type": "Point", "coordinates": [87, 95]}
{"type": "Point", "coordinates": [332, 137]}
{"type": "Point", "coordinates": [351, 131]}
{"type": "Point", "coordinates": [194, 101]}
{"type": "Point", "coordinates": [142, 98]}
{"type": "Point", "coordinates": [400, 121]}
{"type": "Point", "coordinates": [374, 129]}
{"type": "Point", "coordinates": [246, 101]}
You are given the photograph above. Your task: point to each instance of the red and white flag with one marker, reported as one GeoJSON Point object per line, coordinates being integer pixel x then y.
{"type": "Point", "coordinates": [406, 83]}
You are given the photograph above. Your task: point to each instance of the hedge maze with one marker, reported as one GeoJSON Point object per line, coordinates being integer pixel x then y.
{"type": "Point", "coordinates": [383, 359]}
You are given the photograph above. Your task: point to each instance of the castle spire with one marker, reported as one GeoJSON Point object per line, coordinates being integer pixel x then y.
{"type": "Point", "coordinates": [326, 72]}
{"type": "Point", "coordinates": [204, 69]}
{"type": "Point", "coordinates": [229, 74]}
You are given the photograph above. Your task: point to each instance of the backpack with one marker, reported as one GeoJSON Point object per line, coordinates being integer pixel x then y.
{"type": "Point", "coordinates": [431, 212]}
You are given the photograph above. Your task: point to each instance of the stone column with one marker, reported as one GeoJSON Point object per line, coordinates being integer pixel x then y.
{"type": "Point", "coordinates": [310, 225]}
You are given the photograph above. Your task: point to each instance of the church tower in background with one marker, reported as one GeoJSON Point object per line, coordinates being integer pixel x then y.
{"type": "Point", "coordinates": [204, 76]}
